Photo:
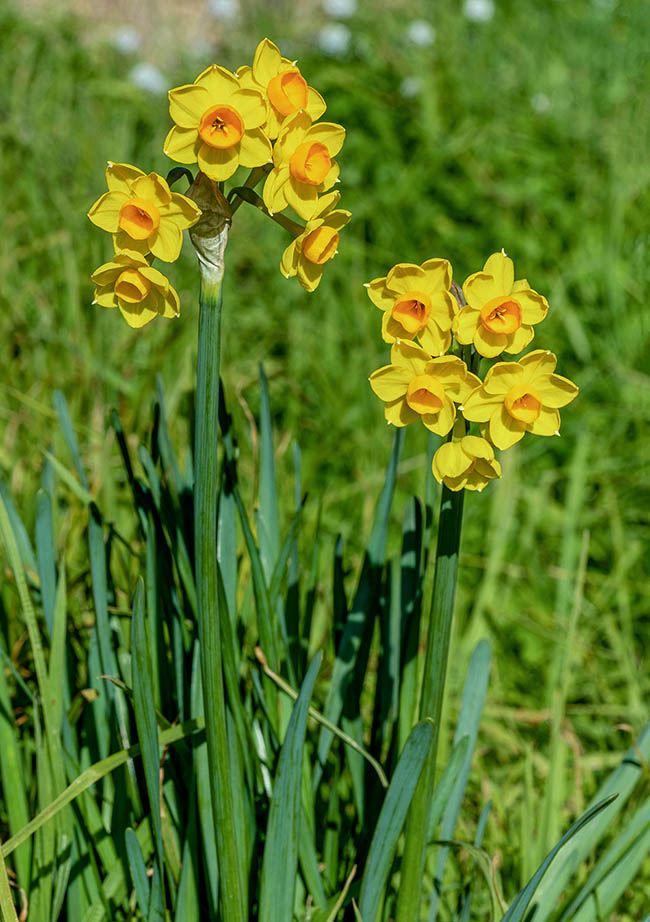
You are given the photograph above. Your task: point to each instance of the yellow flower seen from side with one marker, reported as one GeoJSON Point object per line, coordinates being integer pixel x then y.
{"type": "Point", "coordinates": [500, 312]}
{"type": "Point", "coordinates": [283, 85]}
{"type": "Point", "coordinates": [416, 301]}
{"type": "Point", "coordinates": [218, 124]}
{"type": "Point", "coordinates": [309, 253]}
{"type": "Point", "coordinates": [415, 385]}
{"type": "Point", "coordinates": [142, 213]}
{"type": "Point", "coordinates": [465, 463]}
{"type": "Point", "coordinates": [136, 288]}
{"type": "Point", "coordinates": [519, 397]}
{"type": "Point", "coordinates": [303, 165]}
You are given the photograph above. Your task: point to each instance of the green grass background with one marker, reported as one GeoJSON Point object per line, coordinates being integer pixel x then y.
{"type": "Point", "coordinates": [464, 167]}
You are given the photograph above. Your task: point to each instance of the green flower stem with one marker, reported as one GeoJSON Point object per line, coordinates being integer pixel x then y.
{"type": "Point", "coordinates": [433, 689]}
{"type": "Point", "coordinates": [205, 543]}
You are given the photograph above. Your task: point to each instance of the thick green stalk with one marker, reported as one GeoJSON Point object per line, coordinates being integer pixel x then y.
{"type": "Point", "coordinates": [433, 689]}
{"type": "Point", "coordinates": [209, 239]}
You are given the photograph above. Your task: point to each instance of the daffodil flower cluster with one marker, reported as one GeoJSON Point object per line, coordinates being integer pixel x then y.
{"type": "Point", "coordinates": [436, 380]}
{"type": "Point", "coordinates": [264, 117]}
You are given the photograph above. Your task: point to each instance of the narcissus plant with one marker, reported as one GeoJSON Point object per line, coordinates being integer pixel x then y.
{"type": "Point", "coordinates": [218, 124]}
{"type": "Point", "coordinates": [500, 312]}
{"type": "Point", "coordinates": [142, 212]}
{"type": "Point", "coordinates": [519, 397]}
{"type": "Point", "coordinates": [309, 253]}
{"type": "Point", "coordinates": [416, 385]}
{"type": "Point", "coordinates": [136, 288]}
{"type": "Point", "coordinates": [467, 462]}
{"type": "Point", "coordinates": [283, 85]}
{"type": "Point", "coordinates": [416, 301]}
{"type": "Point", "coordinates": [303, 165]}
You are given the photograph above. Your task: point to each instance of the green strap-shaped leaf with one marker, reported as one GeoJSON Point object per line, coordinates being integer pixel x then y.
{"type": "Point", "coordinates": [280, 860]}
{"type": "Point", "coordinates": [391, 819]}
{"type": "Point", "coordinates": [269, 531]}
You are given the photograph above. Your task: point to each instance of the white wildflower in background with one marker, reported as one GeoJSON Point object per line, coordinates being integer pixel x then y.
{"type": "Point", "coordinates": [410, 86]}
{"type": "Point", "coordinates": [334, 38]}
{"type": "Point", "coordinates": [127, 39]}
{"type": "Point", "coordinates": [540, 102]}
{"type": "Point", "coordinates": [148, 78]}
{"type": "Point", "coordinates": [340, 9]}
{"type": "Point", "coordinates": [421, 33]}
{"type": "Point", "coordinates": [479, 10]}
{"type": "Point", "coordinates": [224, 9]}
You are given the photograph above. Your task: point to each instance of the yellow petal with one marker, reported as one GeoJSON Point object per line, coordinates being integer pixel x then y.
{"type": "Point", "coordinates": [555, 391]}
{"type": "Point", "coordinates": [266, 61]}
{"type": "Point", "coordinates": [480, 288]}
{"type": "Point", "coordinates": [315, 104]}
{"type": "Point", "coordinates": [442, 422]}
{"type": "Point", "coordinates": [182, 145]}
{"type": "Point", "coordinates": [122, 241]}
{"type": "Point", "coordinates": [392, 330]}
{"type": "Point", "coordinates": [534, 307]}
{"type": "Point", "coordinates": [502, 377]}
{"type": "Point", "coordinates": [378, 294]}
{"type": "Point", "coordinates": [273, 193]}
{"type": "Point", "coordinates": [156, 277]}
{"type": "Point", "coordinates": [289, 261]}
{"type": "Point", "coordinates": [105, 296]}
{"type": "Point", "coordinates": [451, 460]}
{"type": "Point", "coordinates": [292, 134]}
{"type": "Point", "coordinates": [310, 274]}
{"type": "Point", "coordinates": [405, 277]}
{"type": "Point", "coordinates": [329, 134]}
{"type": "Point", "coordinates": [477, 447]}
{"type": "Point", "coordinates": [119, 176]}
{"type": "Point", "coordinates": [166, 242]}
{"type": "Point", "coordinates": [106, 274]}
{"type": "Point", "coordinates": [399, 413]}
{"type": "Point", "coordinates": [519, 339]}
{"type": "Point", "coordinates": [105, 213]}
{"type": "Point", "coordinates": [136, 315]}
{"type": "Point", "coordinates": [218, 164]}
{"type": "Point", "coordinates": [170, 303]}
{"type": "Point", "coordinates": [219, 82]}
{"type": "Point", "coordinates": [187, 104]}
{"type": "Point", "coordinates": [480, 406]}
{"type": "Point", "coordinates": [464, 325]}
{"type": "Point", "coordinates": [338, 219]}
{"type": "Point", "coordinates": [302, 197]}
{"type": "Point", "coordinates": [547, 423]}
{"type": "Point", "coordinates": [487, 343]}
{"type": "Point", "coordinates": [433, 339]}
{"type": "Point", "coordinates": [438, 274]}
{"type": "Point", "coordinates": [390, 382]}
{"type": "Point", "coordinates": [154, 188]}
{"type": "Point", "coordinates": [251, 107]}
{"type": "Point", "coordinates": [182, 211]}
{"type": "Point", "coordinates": [539, 362]}
{"type": "Point", "coordinates": [504, 430]}
{"type": "Point", "coordinates": [502, 270]}
{"type": "Point", "coordinates": [254, 148]}
{"type": "Point", "coordinates": [410, 356]}
{"type": "Point", "coordinates": [443, 309]}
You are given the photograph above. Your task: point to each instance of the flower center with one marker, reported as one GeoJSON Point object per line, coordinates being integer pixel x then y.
{"type": "Point", "coordinates": [287, 92]}
{"type": "Point", "coordinates": [320, 245]}
{"type": "Point", "coordinates": [131, 286]}
{"type": "Point", "coordinates": [310, 163]}
{"type": "Point", "coordinates": [501, 315]}
{"type": "Point", "coordinates": [221, 127]}
{"type": "Point", "coordinates": [425, 394]}
{"type": "Point", "coordinates": [412, 310]}
{"type": "Point", "coordinates": [523, 404]}
{"type": "Point", "coordinates": [139, 218]}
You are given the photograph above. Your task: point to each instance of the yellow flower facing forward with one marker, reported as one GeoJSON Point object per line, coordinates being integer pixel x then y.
{"type": "Point", "coordinates": [465, 463]}
{"type": "Point", "coordinates": [218, 124]}
{"type": "Point", "coordinates": [136, 288]}
{"type": "Point", "coordinates": [142, 213]}
{"type": "Point", "coordinates": [416, 302]}
{"type": "Point", "coordinates": [518, 397]}
{"type": "Point", "coordinates": [500, 312]}
{"type": "Point", "coordinates": [283, 85]}
{"type": "Point", "coordinates": [415, 385]}
{"type": "Point", "coordinates": [303, 165]}
{"type": "Point", "coordinates": [308, 254]}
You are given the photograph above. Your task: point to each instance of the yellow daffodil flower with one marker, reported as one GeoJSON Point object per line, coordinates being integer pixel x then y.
{"type": "Point", "coordinates": [500, 311]}
{"type": "Point", "coordinates": [465, 463]}
{"type": "Point", "coordinates": [415, 385]}
{"type": "Point", "coordinates": [303, 165]}
{"type": "Point", "coordinates": [142, 213]}
{"type": "Point", "coordinates": [518, 397]}
{"type": "Point", "coordinates": [283, 85]}
{"type": "Point", "coordinates": [416, 302]}
{"type": "Point", "coordinates": [218, 124]}
{"type": "Point", "coordinates": [136, 288]}
{"type": "Point", "coordinates": [307, 255]}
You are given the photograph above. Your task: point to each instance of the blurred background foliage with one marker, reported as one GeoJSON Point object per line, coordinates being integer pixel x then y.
{"type": "Point", "coordinates": [471, 127]}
